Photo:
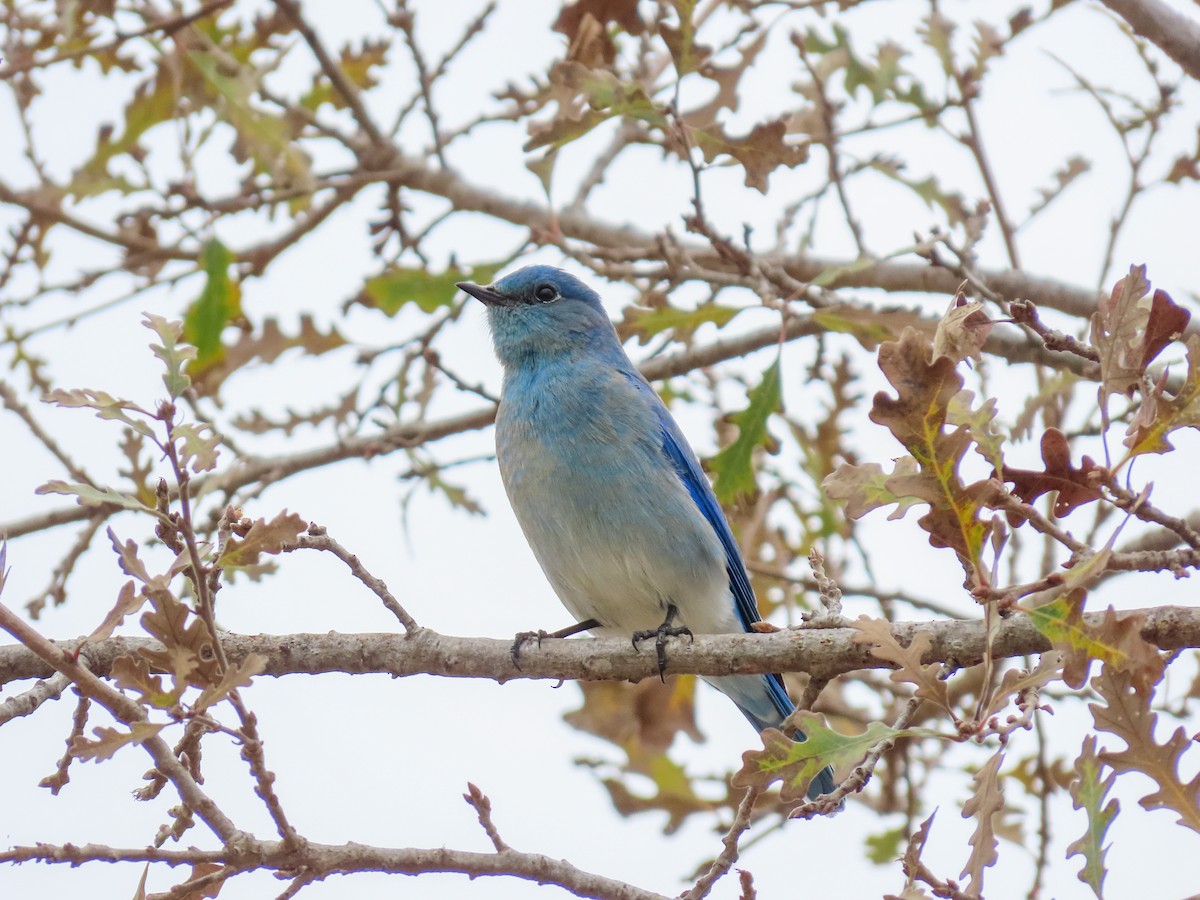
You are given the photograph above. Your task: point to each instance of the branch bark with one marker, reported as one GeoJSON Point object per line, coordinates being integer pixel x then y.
{"type": "Point", "coordinates": [821, 652]}
{"type": "Point", "coordinates": [322, 860]}
{"type": "Point", "coordinates": [1175, 34]}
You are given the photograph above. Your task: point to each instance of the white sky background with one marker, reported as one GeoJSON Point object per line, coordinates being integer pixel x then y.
{"type": "Point", "coordinates": [385, 761]}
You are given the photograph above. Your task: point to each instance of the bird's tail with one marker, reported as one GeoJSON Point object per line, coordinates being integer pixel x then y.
{"type": "Point", "coordinates": [764, 701]}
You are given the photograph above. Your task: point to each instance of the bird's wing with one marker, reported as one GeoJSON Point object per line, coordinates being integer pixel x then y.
{"type": "Point", "coordinates": [676, 449]}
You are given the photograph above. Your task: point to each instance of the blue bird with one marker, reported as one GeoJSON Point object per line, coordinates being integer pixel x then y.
{"type": "Point", "coordinates": [610, 496]}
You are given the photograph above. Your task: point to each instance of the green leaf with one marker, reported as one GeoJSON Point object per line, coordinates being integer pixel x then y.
{"type": "Point", "coordinates": [644, 323]}
{"type": "Point", "coordinates": [218, 304]}
{"type": "Point", "coordinates": [430, 291]}
{"type": "Point", "coordinates": [884, 848]}
{"type": "Point", "coordinates": [153, 103]}
{"type": "Point", "coordinates": [262, 138]}
{"type": "Point", "coordinates": [1088, 792]}
{"type": "Point", "coordinates": [733, 467]}
{"type": "Point", "coordinates": [796, 763]}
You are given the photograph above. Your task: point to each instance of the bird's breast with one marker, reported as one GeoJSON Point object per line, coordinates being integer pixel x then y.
{"type": "Point", "coordinates": [605, 513]}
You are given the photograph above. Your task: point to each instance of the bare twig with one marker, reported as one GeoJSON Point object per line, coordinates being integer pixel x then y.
{"type": "Point", "coordinates": [729, 854]}
{"type": "Point", "coordinates": [318, 539]}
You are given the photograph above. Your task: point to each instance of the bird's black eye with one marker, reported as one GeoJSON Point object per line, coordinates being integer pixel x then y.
{"type": "Point", "coordinates": [545, 293]}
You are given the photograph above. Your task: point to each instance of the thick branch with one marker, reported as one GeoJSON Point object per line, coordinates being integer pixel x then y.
{"type": "Point", "coordinates": [322, 860]}
{"type": "Point", "coordinates": [821, 652]}
{"type": "Point", "coordinates": [1173, 33]}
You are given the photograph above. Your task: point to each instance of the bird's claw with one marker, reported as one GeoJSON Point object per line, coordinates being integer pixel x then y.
{"type": "Point", "coordinates": [660, 635]}
{"type": "Point", "coordinates": [522, 638]}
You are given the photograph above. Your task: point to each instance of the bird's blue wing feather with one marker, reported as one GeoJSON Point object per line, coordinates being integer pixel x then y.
{"type": "Point", "coordinates": [683, 460]}
{"type": "Point", "coordinates": [686, 465]}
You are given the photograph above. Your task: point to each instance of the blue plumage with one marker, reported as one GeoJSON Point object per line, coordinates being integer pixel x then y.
{"type": "Point", "coordinates": [608, 493]}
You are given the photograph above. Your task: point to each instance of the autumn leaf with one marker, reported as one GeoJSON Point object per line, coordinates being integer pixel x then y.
{"type": "Point", "coordinates": [912, 860]}
{"type": "Point", "coordinates": [869, 487]}
{"type": "Point", "coordinates": [759, 153]}
{"type": "Point", "coordinates": [188, 652]}
{"type": "Point", "coordinates": [962, 331]}
{"type": "Point", "coordinates": [133, 674]}
{"type": "Point", "coordinates": [733, 466]}
{"type": "Point", "coordinates": [234, 677]}
{"type": "Point", "coordinates": [1129, 329]}
{"type": "Point", "coordinates": [263, 537]}
{"type": "Point", "coordinates": [90, 495]}
{"type": "Point", "coordinates": [586, 98]}
{"type": "Point", "coordinates": [264, 345]}
{"type": "Point", "coordinates": [870, 327]}
{"type": "Point", "coordinates": [1073, 486]}
{"type": "Point", "coordinates": [128, 602]}
{"type": "Point", "coordinates": [907, 660]}
{"type": "Point", "coordinates": [644, 720]}
{"type": "Point", "coordinates": [980, 422]}
{"type": "Point", "coordinates": [985, 804]}
{"type": "Point", "coordinates": [796, 763]}
{"type": "Point", "coordinates": [175, 355]}
{"type": "Point", "coordinates": [1128, 714]}
{"type": "Point", "coordinates": [917, 418]}
{"type": "Point", "coordinates": [263, 138]}
{"type": "Point", "coordinates": [1089, 790]}
{"type": "Point", "coordinates": [105, 405]}
{"type": "Point", "coordinates": [197, 445]}
{"type": "Point", "coordinates": [357, 66]}
{"type": "Point", "coordinates": [1160, 414]}
{"type": "Point", "coordinates": [109, 741]}
{"type": "Point", "coordinates": [1016, 681]}
{"type": "Point", "coordinates": [644, 323]}
{"type": "Point", "coordinates": [127, 557]}
{"type": "Point", "coordinates": [681, 42]}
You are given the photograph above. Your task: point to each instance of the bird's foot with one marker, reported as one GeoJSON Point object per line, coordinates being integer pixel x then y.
{"type": "Point", "coordinates": [524, 637]}
{"type": "Point", "coordinates": [660, 635]}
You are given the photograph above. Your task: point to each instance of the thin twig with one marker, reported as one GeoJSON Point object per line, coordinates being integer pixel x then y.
{"type": "Point", "coordinates": [729, 854]}
{"type": "Point", "coordinates": [318, 539]}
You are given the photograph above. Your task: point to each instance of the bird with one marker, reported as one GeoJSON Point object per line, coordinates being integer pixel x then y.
{"type": "Point", "coordinates": [609, 494]}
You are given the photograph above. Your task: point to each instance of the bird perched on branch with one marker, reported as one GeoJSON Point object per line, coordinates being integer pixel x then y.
{"type": "Point", "coordinates": [609, 494]}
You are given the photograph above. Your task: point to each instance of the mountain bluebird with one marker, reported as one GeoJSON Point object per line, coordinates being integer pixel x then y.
{"type": "Point", "coordinates": [609, 494]}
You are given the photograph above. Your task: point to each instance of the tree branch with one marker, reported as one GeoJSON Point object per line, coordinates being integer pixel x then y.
{"type": "Point", "coordinates": [322, 860]}
{"type": "Point", "coordinates": [1175, 34]}
{"type": "Point", "coordinates": [821, 652]}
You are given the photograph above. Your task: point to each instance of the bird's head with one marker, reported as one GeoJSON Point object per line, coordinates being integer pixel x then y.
{"type": "Point", "coordinates": [542, 311]}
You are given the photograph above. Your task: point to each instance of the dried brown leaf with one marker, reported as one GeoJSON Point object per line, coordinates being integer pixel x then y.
{"type": "Point", "coordinates": [985, 805]}
{"type": "Point", "coordinates": [907, 660]}
{"type": "Point", "coordinates": [1127, 713]}
{"type": "Point", "coordinates": [109, 740]}
{"type": "Point", "coordinates": [962, 331]}
{"type": "Point", "coordinates": [128, 601]}
{"type": "Point", "coordinates": [1074, 486]}
{"type": "Point", "coordinates": [263, 537]}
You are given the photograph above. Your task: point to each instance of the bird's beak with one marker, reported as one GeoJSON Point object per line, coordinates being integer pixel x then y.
{"type": "Point", "coordinates": [484, 293]}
